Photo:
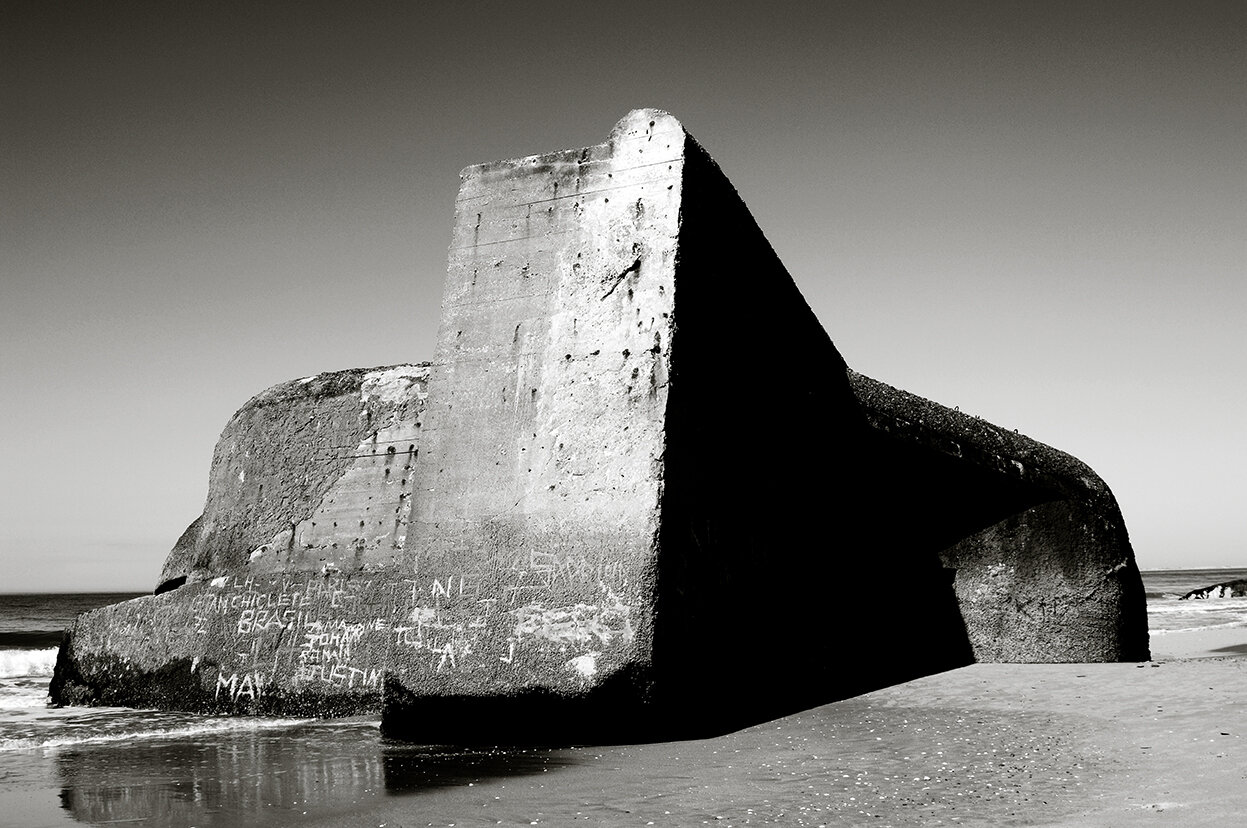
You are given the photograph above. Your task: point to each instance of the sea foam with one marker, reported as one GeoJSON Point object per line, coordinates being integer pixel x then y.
{"type": "Point", "coordinates": [19, 663]}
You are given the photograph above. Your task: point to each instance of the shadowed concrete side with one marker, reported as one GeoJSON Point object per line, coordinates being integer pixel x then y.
{"type": "Point", "coordinates": [1044, 570]}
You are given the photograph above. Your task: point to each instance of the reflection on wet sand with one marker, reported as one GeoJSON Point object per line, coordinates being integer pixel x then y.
{"type": "Point", "coordinates": [271, 777]}
{"type": "Point", "coordinates": [222, 779]}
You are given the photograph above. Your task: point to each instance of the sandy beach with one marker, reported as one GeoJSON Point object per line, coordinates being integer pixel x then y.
{"type": "Point", "coordinates": [1158, 743]}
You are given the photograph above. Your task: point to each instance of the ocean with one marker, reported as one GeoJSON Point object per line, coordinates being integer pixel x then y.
{"type": "Point", "coordinates": [99, 766]}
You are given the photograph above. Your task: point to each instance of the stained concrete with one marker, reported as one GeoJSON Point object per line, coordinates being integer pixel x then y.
{"type": "Point", "coordinates": [309, 475]}
{"type": "Point", "coordinates": [650, 499]}
{"type": "Point", "coordinates": [292, 644]}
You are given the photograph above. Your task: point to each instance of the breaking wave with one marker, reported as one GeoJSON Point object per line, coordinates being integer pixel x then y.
{"type": "Point", "coordinates": [26, 662]}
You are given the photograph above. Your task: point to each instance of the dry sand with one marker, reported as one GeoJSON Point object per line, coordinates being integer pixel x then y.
{"type": "Point", "coordinates": [1160, 743]}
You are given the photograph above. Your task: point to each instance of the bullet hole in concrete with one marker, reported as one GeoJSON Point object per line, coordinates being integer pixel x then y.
{"type": "Point", "coordinates": [567, 357]}
{"type": "Point", "coordinates": [550, 487]}
{"type": "Point", "coordinates": [651, 123]}
{"type": "Point", "coordinates": [626, 353]}
{"type": "Point", "coordinates": [636, 372]}
{"type": "Point", "coordinates": [361, 524]}
{"type": "Point", "coordinates": [391, 450]}
{"type": "Point", "coordinates": [669, 186]}
{"type": "Point", "coordinates": [335, 524]}
{"type": "Point", "coordinates": [387, 472]}
{"type": "Point", "coordinates": [631, 269]}
{"type": "Point", "coordinates": [607, 200]}
{"type": "Point", "coordinates": [560, 446]}
{"type": "Point", "coordinates": [534, 393]}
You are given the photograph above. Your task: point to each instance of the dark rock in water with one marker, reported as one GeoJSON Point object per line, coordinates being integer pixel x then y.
{"type": "Point", "coordinates": [1229, 589]}
{"type": "Point", "coordinates": [651, 500]}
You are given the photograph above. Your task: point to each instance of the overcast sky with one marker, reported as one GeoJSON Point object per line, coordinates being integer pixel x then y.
{"type": "Point", "coordinates": [1034, 212]}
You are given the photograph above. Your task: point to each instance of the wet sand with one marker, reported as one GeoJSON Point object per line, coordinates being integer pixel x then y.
{"type": "Point", "coordinates": [1159, 743]}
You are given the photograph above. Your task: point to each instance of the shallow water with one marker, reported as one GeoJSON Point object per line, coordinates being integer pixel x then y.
{"type": "Point", "coordinates": [1168, 614]}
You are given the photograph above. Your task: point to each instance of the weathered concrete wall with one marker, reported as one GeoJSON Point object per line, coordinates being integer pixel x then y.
{"type": "Point", "coordinates": [297, 644]}
{"type": "Point", "coordinates": [651, 500]}
{"type": "Point", "coordinates": [539, 485]}
{"type": "Point", "coordinates": [272, 600]}
{"type": "Point", "coordinates": [310, 475]}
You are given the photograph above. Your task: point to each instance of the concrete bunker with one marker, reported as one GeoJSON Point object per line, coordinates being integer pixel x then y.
{"type": "Point", "coordinates": [594, 544]}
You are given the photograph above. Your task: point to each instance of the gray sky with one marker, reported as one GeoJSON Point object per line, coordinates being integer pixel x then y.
{"type": "Point", "coordinates": [1034, 212]}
